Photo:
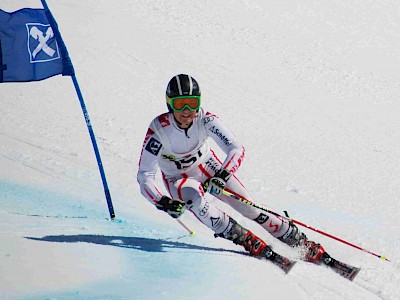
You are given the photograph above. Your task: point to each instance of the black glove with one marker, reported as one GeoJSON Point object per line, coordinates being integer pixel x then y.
{"type": "Point", "coordinates": [216, 184]}
{"type": "Point", "coordinates": [174, 207]}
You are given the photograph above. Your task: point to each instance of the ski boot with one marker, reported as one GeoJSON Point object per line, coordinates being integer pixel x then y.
{"type": "Point", "coordinates": [254, 245]}
{"type": "Point", "coordinates": [311, 251]}
{"type": "Point", "coordinates": [241, 236]}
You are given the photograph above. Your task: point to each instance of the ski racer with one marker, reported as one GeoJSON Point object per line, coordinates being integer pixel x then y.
{"type": "Point", "coordinates": [177, 143]}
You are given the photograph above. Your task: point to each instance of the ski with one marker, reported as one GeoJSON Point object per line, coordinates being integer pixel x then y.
{"type": "Point", "coordinates": [345, 270]}
{"type": "Point", "coordinates": [282, 262]}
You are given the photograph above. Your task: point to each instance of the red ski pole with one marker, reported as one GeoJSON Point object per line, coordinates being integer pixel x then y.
{"type": "Point", "coordinates": [338, 239]}
{"type": "Point", "coordinates": [225, 192]}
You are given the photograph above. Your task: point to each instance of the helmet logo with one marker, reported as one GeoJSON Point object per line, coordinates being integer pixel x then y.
{"type": "Point", "coordinates": [181, 91]}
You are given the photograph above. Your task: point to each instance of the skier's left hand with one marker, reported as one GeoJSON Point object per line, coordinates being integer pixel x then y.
{"type": "Point", "coordinates": [174, 207]}
{"type": "Point", "coordinates": [216, 184]}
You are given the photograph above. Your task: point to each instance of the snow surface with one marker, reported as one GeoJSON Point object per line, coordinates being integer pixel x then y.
{"type": "Point", "coordinates": [312, 90]}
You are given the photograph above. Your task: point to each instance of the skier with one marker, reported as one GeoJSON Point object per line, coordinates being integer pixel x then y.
{"type": "Point", "coordinates": [176, 142]}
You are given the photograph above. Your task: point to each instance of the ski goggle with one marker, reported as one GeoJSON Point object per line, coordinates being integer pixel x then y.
{"type": "Point", "coordinates": [180, 103]}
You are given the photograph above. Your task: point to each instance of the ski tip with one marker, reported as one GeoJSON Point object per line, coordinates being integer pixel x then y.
{"type": "Point", "coordinates": [353, 274]}
{"type": "Point", "coordinates": [289, 267]}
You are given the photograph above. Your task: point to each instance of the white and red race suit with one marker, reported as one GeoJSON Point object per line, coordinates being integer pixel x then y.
{"type": "Point", "coordinates": [186, 162]}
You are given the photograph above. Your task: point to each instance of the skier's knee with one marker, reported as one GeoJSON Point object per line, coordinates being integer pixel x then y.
{"type": "Point", "coordinates": [191, 196]}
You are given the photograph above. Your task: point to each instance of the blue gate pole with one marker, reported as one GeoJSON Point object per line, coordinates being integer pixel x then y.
{"type": "Point", "coordinates": [68, 70]}
{"type": "Point", "coordinates": [96, 149]}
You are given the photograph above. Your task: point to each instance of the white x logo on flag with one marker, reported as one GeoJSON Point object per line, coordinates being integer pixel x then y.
{"type": "Point", "coordinates": [38, 35]}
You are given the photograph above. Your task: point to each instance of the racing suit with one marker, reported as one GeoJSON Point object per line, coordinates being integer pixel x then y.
{"type": "Point", "coordinates": [186, 161]}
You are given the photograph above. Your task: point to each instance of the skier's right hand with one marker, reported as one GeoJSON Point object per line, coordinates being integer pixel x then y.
{"type": "Point", "coordinates": [215, 185]}
{"type": "Point", "coordinates": [174, 207]}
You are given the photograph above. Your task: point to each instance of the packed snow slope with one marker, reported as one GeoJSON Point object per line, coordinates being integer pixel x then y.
{"type": "Point", "coordinates": [311, 89]}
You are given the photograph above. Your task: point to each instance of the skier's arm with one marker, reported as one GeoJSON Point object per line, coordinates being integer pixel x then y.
{"type": "Point", "coordinates": [148, 166]}
{"type": "Point", "coordinates": [234, 158]}
{"type": "Point", "coordinates": [226, 140]}
{"type": "Point", "coordinates": [233, 149]}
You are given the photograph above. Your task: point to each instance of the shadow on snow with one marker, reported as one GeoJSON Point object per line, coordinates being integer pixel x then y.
{"type": "Point", "coordinates": [136, 243]}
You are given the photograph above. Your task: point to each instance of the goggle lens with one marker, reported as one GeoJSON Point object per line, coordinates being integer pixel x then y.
{"type": "Point", "coordinates": [181, 103]}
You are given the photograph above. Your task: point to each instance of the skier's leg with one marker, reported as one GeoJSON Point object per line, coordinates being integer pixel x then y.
{"type": "Point", "coordinates": [242, 236]}
{"type": "Point", "coordinates": [294, 238]}
{"type": "Point", "coordinates": [191, 192]}
{"type": "Point", "coordinates": [278, 227]}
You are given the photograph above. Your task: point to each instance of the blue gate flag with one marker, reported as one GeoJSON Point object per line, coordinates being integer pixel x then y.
{"type": "Point", "coordinates": [31, 47]}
